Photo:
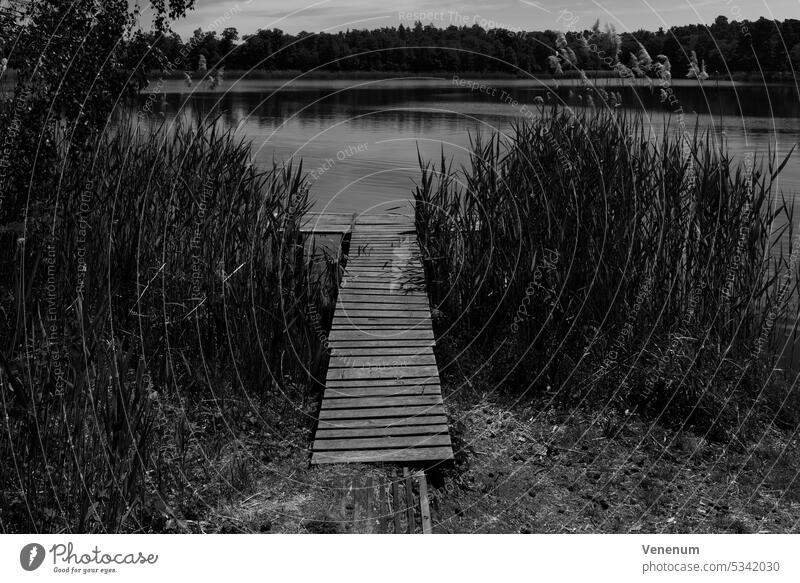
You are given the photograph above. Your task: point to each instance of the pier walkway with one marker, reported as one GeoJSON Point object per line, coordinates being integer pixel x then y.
{"type": "Point", "coordinates": [382, 399]}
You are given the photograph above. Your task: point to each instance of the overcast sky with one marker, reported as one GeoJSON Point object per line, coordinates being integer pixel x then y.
{"type": "Point", "coordinates": [332, 15]}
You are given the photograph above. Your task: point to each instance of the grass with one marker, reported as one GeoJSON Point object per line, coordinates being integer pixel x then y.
{"type": "Point", "coordinates": [584, 258]}
{"type": "Point", "coordinates": [155, 314]}
{"type": "Point", "coordinates": [539, 469]}
{"type": "Point", "coordinates": [535, 256]}
{"type": "Point", "coordinates": [605, 303]}
{"type": "Point", "coordinates": [542, 470]}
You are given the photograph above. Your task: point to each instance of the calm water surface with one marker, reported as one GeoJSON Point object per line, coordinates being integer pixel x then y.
{"type": "Point", "coordinates": [359, 139]}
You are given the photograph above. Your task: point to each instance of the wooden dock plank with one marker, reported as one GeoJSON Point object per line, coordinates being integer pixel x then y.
{"type": "Point", "coordinates": [396, 502]}
{"type": "Point", "coordinates": [382, 442]}
{"type": "Point", "coordinates": [381, 321]}
{"type": "Point", "coordinates": [405, 410]}
{"type": "Point", "coordinates": [395, 297]}
{"type": "Point", "coordinates": [409, 501]}
{"type": "Point", "coordinates": [412, 334]}
{"type": "Point", "coordinates": [425, 508]}
{"type": "Point", "coordinates": [382, 304]}
{"type": "Point", "coordinates": [380, 343]}
{"type": "Point", "coordinates": [402, 421]}
{"type": "Point", "coordinates": [380, 401]}
{"type": "Point", "coordinates": [382, 372]}
{"type": "Point", "coordinates": [379, 431]}
{"type": "Point", "coordinates": [393, 360]}
{"type": "Point", "coordinates": [350, 392]}
{"type": "Point", "coordinates": [416, 454]}
{"type": "Point", "coordinates": [348, 312]}
{"type": "Point", "coordinates": [383, 351]}
{"type": "Point", "coordinates": [392, 271]}
{"type": "Point", "coordinates": [399, 382]}
{"type": "Point", "coordinates": [383, 400]}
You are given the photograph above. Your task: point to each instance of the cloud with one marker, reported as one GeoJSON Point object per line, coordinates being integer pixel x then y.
{"type": "Point", "coordinates": [312, 16]}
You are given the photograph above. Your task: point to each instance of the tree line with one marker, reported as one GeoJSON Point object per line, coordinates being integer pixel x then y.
{"type": "Point", "coordinates": [723, 47]}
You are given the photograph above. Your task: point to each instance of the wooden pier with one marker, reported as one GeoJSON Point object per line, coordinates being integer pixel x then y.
{"type": "Point", "coordinates": [382, 399]}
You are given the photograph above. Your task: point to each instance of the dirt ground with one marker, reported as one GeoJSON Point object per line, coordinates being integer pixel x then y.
{"type": "Point", "coordinates": [553, 472]}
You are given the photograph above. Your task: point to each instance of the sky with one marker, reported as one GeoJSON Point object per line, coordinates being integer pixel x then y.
{"type": "Point", "coordinates": [333, 15]}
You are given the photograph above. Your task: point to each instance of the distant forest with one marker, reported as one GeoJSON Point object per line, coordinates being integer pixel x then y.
{"type": "Point", "coordinates": [724, 46]}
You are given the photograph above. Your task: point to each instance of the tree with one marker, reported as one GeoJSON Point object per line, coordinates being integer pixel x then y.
{"type": "Point", "coordinates": [70, 68]}
{"type": "Point", "coordinates": [227, 42]}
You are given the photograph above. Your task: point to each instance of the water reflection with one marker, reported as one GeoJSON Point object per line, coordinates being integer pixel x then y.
{"type": "Point", "coordinates": [397, 118]}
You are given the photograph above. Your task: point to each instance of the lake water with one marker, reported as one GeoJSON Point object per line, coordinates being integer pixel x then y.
{"type": "Point", "coordinates": [359, 139]}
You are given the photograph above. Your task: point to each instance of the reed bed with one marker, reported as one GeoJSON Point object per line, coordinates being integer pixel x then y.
{"type": "Point", "coordinates": [161, 280]}
{"type": "Point", "coordinates": [584, 259]}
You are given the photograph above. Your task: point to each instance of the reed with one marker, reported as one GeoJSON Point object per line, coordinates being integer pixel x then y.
{"type": "Point", "coordinates": [593, 260]}
{"type": "Point", "coordinates": [164, 270]}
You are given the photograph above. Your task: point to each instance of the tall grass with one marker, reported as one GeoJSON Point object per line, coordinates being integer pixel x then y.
{"type": "Point", "coordinates": [162, 271]}
{"type": "Point", "coordinates": [593, 260]}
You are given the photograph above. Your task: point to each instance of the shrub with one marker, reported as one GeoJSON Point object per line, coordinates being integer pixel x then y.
{"type": "Point", "coordinates": [162, 269]}
{"type": "Point", "coordinates": [610, 263]}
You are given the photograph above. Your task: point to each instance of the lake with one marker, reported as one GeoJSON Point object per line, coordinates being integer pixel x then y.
{"type": "Point", "coordinates": [359, 139]}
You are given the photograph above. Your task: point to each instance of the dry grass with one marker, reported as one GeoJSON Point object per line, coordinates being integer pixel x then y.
{"type": "Point", "coordinates": [558, 472]}
{"type": "Point", "coordinates": [154, 317]}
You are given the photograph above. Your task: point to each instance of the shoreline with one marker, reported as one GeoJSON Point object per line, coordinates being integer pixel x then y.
{"type": "Point", "coordinates": [771, 77]}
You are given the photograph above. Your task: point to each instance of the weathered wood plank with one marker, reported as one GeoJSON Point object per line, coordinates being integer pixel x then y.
{"type": "Point", "coordinates": [383, 301]}
{"type": "Point", "coordinates": [414, 334]}
{"type": "Point", "coordinates": [348, 305]}
{"type": "Point", "coordinates": [392, 241]}
{"type": "Point", "coordinates": [363, 402]}
{"type": "Point", "coordinates": [395, 272]}
{"type": "Point", "coordinates": [378, 232]}
{"type": "Point", "coordinates": [392, 317]}
{"type": "Point", "coordinates": [383, 506]}
{"type": "Point", "coordinates": [398, 284]}
{"type": "Point", "coordinates": [410, 322]}
{"type": "Point", "coordinates": [420, 454]}
{"type": "Point", "coordinates": [382, 442]}
{"type": "Point", "coordinates": [369, 361]}
{"type": "Point", "coordinates": [383, 297]}
{"type": "Point", "coordinates": [379, 260]}
{"type": "Point", "coordinates": [396, 502]}
{"type": "Point", "coordinates": [418, 410]}
{"type": "Point", "coordinates": [381, 351]}
{"type": "Point", "coordinates": [376, 255]}
{"type": "Point", "coordinates": [425, 509]}
{"type": "Point", "coordinates": [402, 421]}
{"type": "Point", "coordinates": [399, 287]}
{"type": "Point", "coordinates": [380, 315]}
{"type": "Point", "coordinates": [381, 372]}
{"type": "Point", "coordinates": [399, 382]}
{"type": "Point", "coordinates": [351, 392]}
{"type": "Point", "coordinates": [409, 501]}
{"type": "Point", "coordinates": [378, 342]}
{"type": "Point", "coordinates": [389, 277]}
{"type": "Point", "coordinates": [379, 431]}
{"type": "Point", "coordinates": [385, 331]}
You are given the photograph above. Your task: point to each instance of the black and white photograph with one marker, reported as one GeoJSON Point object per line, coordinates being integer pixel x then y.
{"type": "Point", "coordinates": [358, 267]}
